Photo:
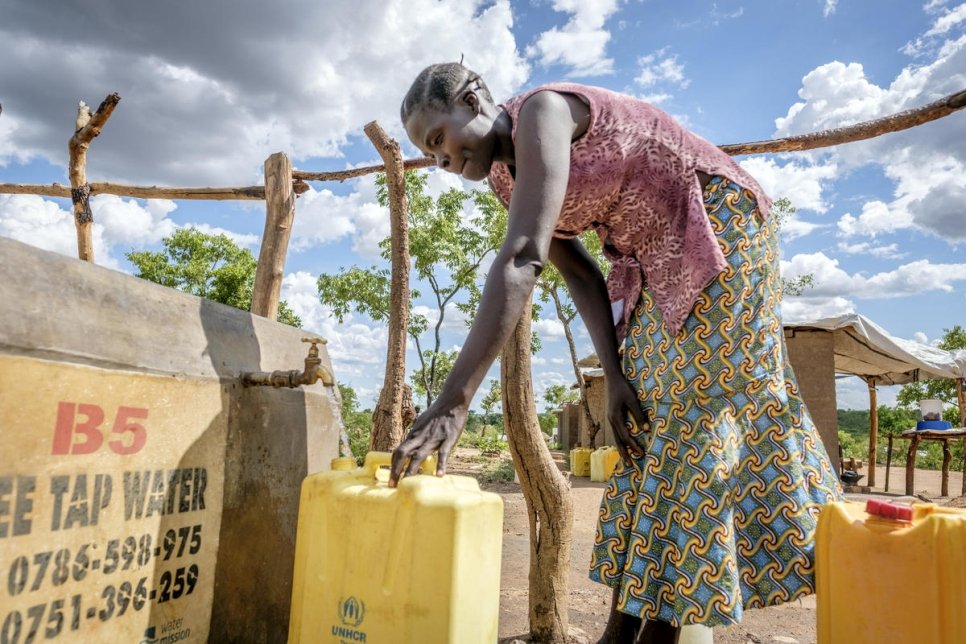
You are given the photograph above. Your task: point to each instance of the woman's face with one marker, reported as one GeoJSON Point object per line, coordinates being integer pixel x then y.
{"type": "Point", "coordinates": [460, 139]}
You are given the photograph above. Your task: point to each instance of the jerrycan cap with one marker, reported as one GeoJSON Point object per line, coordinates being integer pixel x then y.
{"type": "Point", "coordinates": [889, 510]}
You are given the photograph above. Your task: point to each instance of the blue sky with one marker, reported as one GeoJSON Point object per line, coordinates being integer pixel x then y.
{"type": "Point", "coordinates": [210, 89]}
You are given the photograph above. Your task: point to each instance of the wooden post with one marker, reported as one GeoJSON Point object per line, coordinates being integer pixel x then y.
{"type": "Point", "coordinates": [86, 128]}
{"type": "Point", "coordinates": [961, 399]}
{"type": "Point", "coordinates": [947, 457]}
{"type": "Point", "coordinates": [873, 429]}
{"type": "Point", "coordinates": [279, 216]}
{"type": "Point", "coordinates": [963, 492]}
{"type": "Point", "coordinates": [388, 427]}
{"type": "Point", "coordinates": [545, 490]}
{"type": "Point", "coordinates": [888, 462]}
{"type": "Point", "coordinates": [911, 464]}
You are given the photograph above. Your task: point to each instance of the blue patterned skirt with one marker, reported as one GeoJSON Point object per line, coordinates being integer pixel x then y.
{"type": "Point", "coordinates": [719, 514]}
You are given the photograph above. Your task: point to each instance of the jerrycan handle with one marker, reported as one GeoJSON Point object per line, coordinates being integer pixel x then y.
{"type": "Point", "coordinates": [376, 460]}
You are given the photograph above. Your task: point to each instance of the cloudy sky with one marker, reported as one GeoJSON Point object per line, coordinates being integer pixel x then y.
{"type": "Point", "coordinates": [210, 89]}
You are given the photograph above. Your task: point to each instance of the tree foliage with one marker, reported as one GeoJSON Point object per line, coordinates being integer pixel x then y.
{"type": "Point", "coordinates": [492, 399]}
{"type": "Point", "coordinates": [358, 423]}
{"type": "Point", "coordinates": [552, 291]}
{"type": "Point", "coordinates": [556, 396]}
{"type": "Point", "coordinates": [943, 389]}
{"type": "Point", "coordinates": [781, 210]}
{"type": "Point", "coordinates": [209, 266]}
{"type": "Point", "coordinates": [449, 238]}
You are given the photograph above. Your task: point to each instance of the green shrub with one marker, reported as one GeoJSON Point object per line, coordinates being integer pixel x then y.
{"type": "Point", "coordinates": [498, 470]}
{"type": "Point", "coordinates": [491, 445]}
{"type": "Point", "coordinates": [358, 427]}
{"type": "Point", "coordinates": [468, 439]}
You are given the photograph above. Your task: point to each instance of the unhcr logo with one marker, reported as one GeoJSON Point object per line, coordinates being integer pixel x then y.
{"type": "Point", "coordinates": [352, 611]}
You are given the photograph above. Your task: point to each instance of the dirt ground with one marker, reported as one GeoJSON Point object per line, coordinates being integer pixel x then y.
{"type": "Point", "coordinates": [589, 602]}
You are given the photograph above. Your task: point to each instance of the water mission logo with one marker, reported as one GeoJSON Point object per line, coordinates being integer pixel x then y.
{"type": "Point", "coordinates": [352, 612]}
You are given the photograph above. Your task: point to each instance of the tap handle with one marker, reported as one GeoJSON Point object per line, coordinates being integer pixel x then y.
{"type": "Point", "coordinates": [314, 349]}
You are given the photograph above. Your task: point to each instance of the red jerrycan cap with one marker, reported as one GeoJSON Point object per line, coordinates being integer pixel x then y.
{"type": "Point", "coordinates": [889, 510]}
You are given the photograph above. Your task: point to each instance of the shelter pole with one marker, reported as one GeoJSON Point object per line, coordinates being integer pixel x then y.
{"type": "Point", "coordinates": [873, 429]}
{"type": "Point", "coordinates": [961, 398]}
{"type": "Point", "coordinates": [279, 216]}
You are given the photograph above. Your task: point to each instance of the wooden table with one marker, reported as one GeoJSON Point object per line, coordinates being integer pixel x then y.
{"type": "Point", "coordinates": [916, 437]}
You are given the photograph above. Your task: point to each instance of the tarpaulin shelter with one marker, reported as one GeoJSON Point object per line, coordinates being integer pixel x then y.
{"type": "Point", "coordinates": [853, 344]}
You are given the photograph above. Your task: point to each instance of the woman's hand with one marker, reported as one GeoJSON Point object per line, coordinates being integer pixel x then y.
{"type": "Point", "coordinates": [623, 408]}
{"type": "Point", "coordinates": [437, 429]}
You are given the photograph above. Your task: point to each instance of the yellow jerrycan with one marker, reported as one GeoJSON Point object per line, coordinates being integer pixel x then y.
{"type": "Point", "coordinates": [890, 572]}
{"type": "Point", "coordinates": [416, 564]}
{"type": "Point", "coordinates": [580, 461]}
{"type": "Point", "coordinates": [602, 463]}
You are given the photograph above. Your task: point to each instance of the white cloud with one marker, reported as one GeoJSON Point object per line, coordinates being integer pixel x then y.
{"type": "Point", "coordinates": [454, 320]}
{"type": "Point", "coordinates": [853, 393]}
{"type": "Point", "coordinates": [806, 308]}
{"type": "Point", "coordinates": [876, 218]}
{"type": "Point", "coordinates": [42, 223]}
{"type": "Point", "coordinates": [655, 99]}
{"type": "Point", "coordinates": [829, 7]}
{"type": "Point", "coordinates": [581, 44]}
{"type": "Point", "coordinates": [207, 107]}
{"type": "Point", "coordinates": [914, 278]}
{"type": "Point", "coordinates": [887, 251]}
{"type": "Point", "coordinates": [948, 20]}
{"type": "Point", "coordinates": [322, 217]}
{"type": "Point", "coordinates": [549, 328]}
{"type": "Point", "coordinates": [660, 67]}
{"type": "Point", "coordinates": [357, 349]}
{"type": "Point", "coordinates": [120, 225]}
{"type": "Point", "coordinates": [926, 163]}
{"type": "Point", "coordinates": [802, 182]}
{"type": "Point", "coordinates": [245, 240]}
{"type": "Point", "coordinates": [130, 223]}
{"type": "Point", "coordinates": [9, 151]}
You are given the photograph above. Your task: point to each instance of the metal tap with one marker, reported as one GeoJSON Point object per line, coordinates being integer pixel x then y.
{"type": "Point", "coordinates": [314, 371]}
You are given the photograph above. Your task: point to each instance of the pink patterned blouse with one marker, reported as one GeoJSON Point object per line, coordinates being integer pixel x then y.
{"type": "Point", "coordinates": [632, 179]}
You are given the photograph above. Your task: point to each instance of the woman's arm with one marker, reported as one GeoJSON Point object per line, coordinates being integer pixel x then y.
{"type": "Point", "coordinates": [542, 161]}
{"type": "Point", "coordinates": [589, 292]}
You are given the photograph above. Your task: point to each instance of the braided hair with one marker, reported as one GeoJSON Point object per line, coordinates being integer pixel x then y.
{"type": "Point", "coordinates": [438, 86]}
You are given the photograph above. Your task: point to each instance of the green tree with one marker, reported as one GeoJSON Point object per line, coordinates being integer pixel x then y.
{"type": "Point", "coordinates": [209, 266]}
{"type": "Point", "coordinates": [943, 389]}
{"type": "Point", "coordinates": [556, 396]}
{"type": "Point", "coordinates": [358, 423]}
{"type": "Point", "coordinates": [492, 399]}
{"type": "Point", "coordinates": [781, 210]}
{"type": "Point", "coordinates": [442, 362]}
{"type": "Point", "coordinates": [447, 244]}
{"type": "Point", "coordinates": [552, 290]}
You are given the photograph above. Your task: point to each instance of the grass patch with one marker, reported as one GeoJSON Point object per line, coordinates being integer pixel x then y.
{"type": "Point", "coordinates": [498, 470]}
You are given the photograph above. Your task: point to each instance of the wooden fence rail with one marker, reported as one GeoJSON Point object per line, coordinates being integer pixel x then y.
{"type": "Point", "coordinates": [278, 223]}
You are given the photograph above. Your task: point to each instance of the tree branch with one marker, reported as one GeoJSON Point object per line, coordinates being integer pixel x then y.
{"type": "Point", "coordinates": [87, 127]}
